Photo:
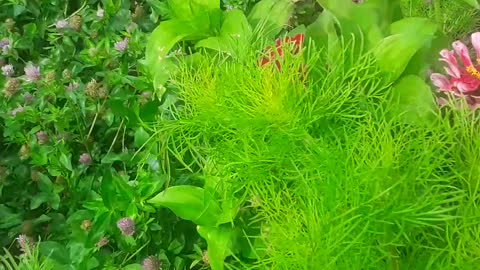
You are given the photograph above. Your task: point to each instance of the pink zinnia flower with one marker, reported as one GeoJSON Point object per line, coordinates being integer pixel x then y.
{"type": "Point", "coordinates": [463, 80]}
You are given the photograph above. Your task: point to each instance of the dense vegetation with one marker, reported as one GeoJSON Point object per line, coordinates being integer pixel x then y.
{"type": "Point", "coordinates": [239, 134]}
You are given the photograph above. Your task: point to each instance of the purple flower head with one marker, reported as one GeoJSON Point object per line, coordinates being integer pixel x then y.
{"type": "Point", "coordinates": [17, 110]}
{"type": "Point", "coordinates": [151, 263]}
{"type": "Point", "coordinates": [86, 225]}
{"type": "Point", "coordinates": [102, 242]}
{"type": "Point", "coordinates": [122, 45]}
{"type": "Point", "coordinates": [61, 24]}
{"type": "Point", "coordinates": [42, 137]}
{"type": "Point", "coordinates": [100, 13]}
{"type": "Point", "coordinates": [5, 45]}
{"type": "Point", "coordinates": [71, 87]}
{"type": "Point", "coordinates": [85, 159]}
{"type": "Point", "coordinates": [7, 70]}
{"type": "Point", "coordinates": [126, 226]}
{"type": "Point", "coordinates": [32, 72]}
{"type": "Point", "coordinates": [25, 243]}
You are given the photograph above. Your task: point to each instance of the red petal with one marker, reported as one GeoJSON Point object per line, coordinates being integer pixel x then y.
{"type": "Point", "coordinates": [278, 42]}
{"type": "Point", "coordinates": [298, 39]}
{"type": "Point", "coordinates": [277, 63]}
{"type": "Point", "coordinates": [280, 51]}
{"type": "Point", "coordinates": [264, 61]}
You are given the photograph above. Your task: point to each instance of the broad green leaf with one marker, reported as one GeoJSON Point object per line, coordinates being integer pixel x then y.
{"type": "Point", "coordinates": [190, 203]}
{"type": "Point", "coordinates": [187, 9]}
{"type": "Point", "coordinates": [356, 21]}
{"type": "Point", "coordinates": [219, 243]}
{"type": "Point", "coordinates": [235, 23]}
{"type": "Point", "coordinates": [235, 34]}
{"type": "Point", "coordinates": [270, 16]}
{"type": "Point", "coordinates": [389, 11]}
{"type": "Point", "coordinates": [394, 52]}
{"type": "Point", "coordinates": [322, 30]}
{"type": "Point", "coordinates": [412, 100]}
{"type": "Point", "coordinates": [161, 41]}
{"type": "Point", "coordinates": [473, 3]}
{"type": "Point", "coordinates": [141, 137]}
{"type": "Point", "coordinates": [414, 26]}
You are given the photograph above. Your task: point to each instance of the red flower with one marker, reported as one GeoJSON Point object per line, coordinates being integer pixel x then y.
{"type": "Point", "coordinates": [297, 42]}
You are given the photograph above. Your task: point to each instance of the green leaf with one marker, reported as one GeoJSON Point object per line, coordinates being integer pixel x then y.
{"type": "Point", "coordinates": [39, 199]}
{"type": "Point", "coordinates": [107, 190]}
{"type": "Point", "coordinates": [190, 203]}
{"type": "Point", "coordinates": [54, 251]}
{"type": "Point", "coordinates": [44, 183]}
{"type": "Point", "coordinates": [176, 246]}
{"type": "Point", "coordinates": [356, 21]}
{"type": "Point", "coordinates": [161, 41]}
{"type": "Point", "coordinates": [66, 161]}
{"type": "Point", "coordinates": [414, 26]}
{"type": "Point", "coordinates": [102, 222]}
{"type": "Point", "coordinates": [322, 30]}
{"type": "Point", "coordinates": [132, 210]}
{"type": "Point", "coordinates": [112, 157]}
{"type": "Point", "coordinates": [408, 37]}
{"type": "Point", "coordinates": [186, 9]}
{"type": "Point", "coordinates": [219, 243]}
{"type": "Point", "coordinates": [412, 100]}
{"type": "Point", "coordinates": [235, 34]}
{"type": "Point", "coordinates": [119, 108]}
{"type": "Point", "coordinates": [473, 3]}
{"type": "Point", "coordinates": [134, 266]}
{"type": "Point", "coordinates": [141, 137]}
{"type": "Point", "coordinates": [270, 16]}
{"type": "Point", "coordinates": [149, 111]}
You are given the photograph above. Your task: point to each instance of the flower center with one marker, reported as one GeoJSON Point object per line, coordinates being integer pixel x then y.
{"type": "Point", "coordinates": [473, 71]}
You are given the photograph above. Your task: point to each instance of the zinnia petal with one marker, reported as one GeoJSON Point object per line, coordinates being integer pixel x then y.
{"type": "Point", "coordinates": [462, 51]}
{"type": "Point", "coordinates": [466, 87]}
{"type": "Point", "coordinates": [476, 44]}
{"type": "Point", "coordinates": [449, 58]}
{"type": "Point", "coordinates": [441, 82]}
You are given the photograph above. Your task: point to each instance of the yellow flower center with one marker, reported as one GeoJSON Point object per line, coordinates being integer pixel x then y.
{"type": "Point", "coordinates": [474, 72]}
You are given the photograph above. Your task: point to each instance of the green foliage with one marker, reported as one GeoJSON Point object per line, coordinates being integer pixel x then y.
{"type": "Point", "coordinates": [456, 18]}
{"type": "Point", "coordinates": [205, 134]}
{"type": "Point", "coordinates": [206, 25]}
